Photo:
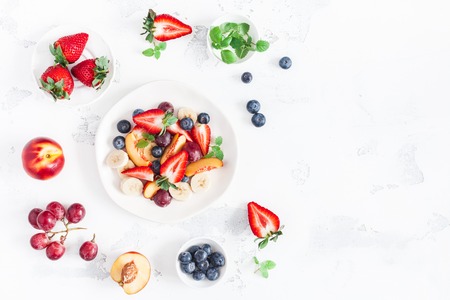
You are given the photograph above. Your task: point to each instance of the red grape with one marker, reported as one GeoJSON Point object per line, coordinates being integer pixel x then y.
{"type": "Point", "coordinates": [89, 249]}
{"type": "Point", "coordinates": [166, 106]}
{"type": "Point", "coordinates": [39, 241]}
{"type": "Point", "coordinates": [75, 213]}
{"type": "Point", "coordinates": [57, 209]}
{"type": "Point", "coordinates": [46, 220]}
{"type": "Point", "coordinates": [162, 198]}
{"type": "Point", "coordinates": [32, 216]}
{"type": "Point", "coordinates": [193, 150]}
{"type": "Point", "coordinates": [55, 250]}
{"type": "Point", "coordinates": [164, 139]}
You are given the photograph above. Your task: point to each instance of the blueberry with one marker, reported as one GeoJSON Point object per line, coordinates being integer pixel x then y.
{"type": "Point", "coordinates": [156, 165]}
{"type": "Point", "coordinates": [217, 259]}
{"type": "Point", "coordinates": [193, 249]}
{"type": "Point", "coordinates": [137, 111]}
{"type": "Point", "coordinates": [187, 268]}
{"type": "Point", "coordinates": [186, 123]}
{"type": "Point", "coordinates": [203, 118]}
{"type": "Point", "coordinates": [124, 126]}
{"type": "Point", "coordinates": [258, 119]}
{"type": "Point", "coordinates": [185, 257]}
{"type": "Point", "coordinates": [200, 255]}
{"type": "Point", "coordinates": [285, 62]}
{"type": "Point", "coordinates": [246, 77]}
{"type": "Point", "coordinates": [203, 265]}
{"type": "Point", "coordinates": [185, 179]}
{"type": "Point", "coordinates": [207, 248]}
{"type": "Point", "coordinates": [119, 142]}
{"type": "Point", "coordinates": [253, 106]}
{"type": "Point", "coordinates": [198, 275]}
{"type": "Point", "coordinates": [157, 151]}
{"type": "Point", "coordinates": [212, 274]}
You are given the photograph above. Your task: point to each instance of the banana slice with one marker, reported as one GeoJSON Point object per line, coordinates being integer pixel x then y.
{"type": "Point", "coordinates": [129, 165]}
{"type": "Point", "coordinates": [117, 159]}
{"type": "Point", "coordinates": [200, 182]}
{"type": "Point", "coordinates": [184, 112]}
{"type": "Point", "coordinates": [131, 186]}
{"type": "Point", "coordinates": [183, 192]}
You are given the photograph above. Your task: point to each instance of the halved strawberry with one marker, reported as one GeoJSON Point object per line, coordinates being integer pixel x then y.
{"type": "Point", "coordinates": [164, 27]}
{"type": "Point", "coordinates": [201, 133]}
{"type": "Point", "coordinates": [144, 173]}
{"type": "Point", "coordinates": [263, 223]}
{"type": "Point", "coordinates": [155, 121]}
{"type": "Point", "coordinates": [176, 128]}
{"type": "Point", "coordinates": [68, 49]}
{"type": "Point", "coordinates": [173, 169]}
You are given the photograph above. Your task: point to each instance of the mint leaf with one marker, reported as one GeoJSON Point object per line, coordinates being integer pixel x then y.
{"type": "Point", "coordinates": [242, 52]}
{"type": "Point", "coordinates": [148, 136]}
{"type": "Point", "coordinates": [243, 28]}
{"type": "Point", "coordinates": [210, 154]}
{"type": "Point", "coordinates": [262, 46]}
{"type": "Point", "coordinates": [219, 154]}
{"type": "Point", "coordinates": [218, 141]}
{"type": "Point", "coordinates": [215, 34]}
{"type": "Point", "coordinates": [216, 46]}
{"type": "Point", "coordinates": [226, 27]}
{"type": "Point", "coordinates": [162, 46]}
{"type": "Point", "coordinates": [142, 143]}
{"type": "Point", "coordinates": [149, 52]}
{"type": "Point", "coordinates": [228, 57]}
{"type": "Point", "coordinates": [237, 42]}
{"type": "Point", "coordinates": [268, 264]}
{"type": "Point", "coordinates": [226, 42]}
{"type": "Point", "coordinates": [215, 148]}
{"type": "Point", "coordinates": [157, 54]}
{"type": "Point", "coordinates": [255, 260]}
{"type": "Point", "coordinates": [263, 243]}
{"type": "Point", "coordinates": [264, 272]}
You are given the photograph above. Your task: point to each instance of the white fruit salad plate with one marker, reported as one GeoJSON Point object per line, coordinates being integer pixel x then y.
{"type": "Point", "coordinates": [129, 193]}
{"type": "Point", "coordinates": [95, 47]}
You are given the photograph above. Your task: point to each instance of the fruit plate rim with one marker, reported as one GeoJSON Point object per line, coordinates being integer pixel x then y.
{"type": "Point", "coordinates": [181, 95]}
{"type": "Point", "coordinates": [96, 46]}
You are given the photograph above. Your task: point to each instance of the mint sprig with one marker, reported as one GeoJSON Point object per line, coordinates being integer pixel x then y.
{"type": "Point", "coordinates": [234, 41]}
{"type": "Point", "coordinates": [264, 266]}
{"type": "Point", "coordinates": [147, 138]}
{"type": "Point", "coordinates": [215, 149]}
{"type": "Point", "coordinates": [164, 183]}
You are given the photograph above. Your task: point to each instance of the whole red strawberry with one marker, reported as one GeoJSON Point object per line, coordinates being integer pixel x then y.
{"type": "Point", "coordinates": [68, 49]}
{"type": "Point", "coordinates": [264, 224]}
{"type": "Point", "coordinates": [57, 81]}
{"type": "Point", "coordinates": [92, 72]}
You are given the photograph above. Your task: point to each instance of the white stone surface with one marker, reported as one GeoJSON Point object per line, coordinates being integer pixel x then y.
{"type": "Point", "coordinates": [354, 157]}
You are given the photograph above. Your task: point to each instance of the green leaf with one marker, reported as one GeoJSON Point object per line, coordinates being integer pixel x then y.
{"type": "Point", "coordinates": [226, 42]}
{"type": "Point", "coordinates": [242, 52]}
{"type": "Point", "coordinates": [237, 42]}
{"type": "Point", "coordinates": [219, 154]}
{"type": "Point", "coordinates": [157, 54]}
{"type": "Point", "coordinates": [226, 27]}
{"type": "Point", "coordinates": [148, 136]}
{"type": "Point", "coordinates": [162, 46]}
{"type": "Point", "coordinates": [228, 57]}
{"type": "Point", "coordinates": [264, 272]}
{"type": "Point", "coordinates": [263, 243]}
{"type": "Point", "coordinates": [149, 37]}
{"type": "Point", "coordinates": [255, 260]}
{"type": "Point", "coordinates": [218, 141]}
{"type": "Point", "coordinates": [243, 28]}
{"type": "Point", "coordinates": [142, 143]}
{"type": "Point", "coordinates": [262, 46]}
{"type": "Point", "coordinates": [268, 264]}
{"type": "Point", "coordinates": [215, 34]}
{"type": "Point", "coordinates": [210, 154]}
{"type": "Point", "coordinates": [215, 148]}
{"type": "Point", "coordinates": [149, 52]}
{"type": "Point", "coordinates": [216, 46]}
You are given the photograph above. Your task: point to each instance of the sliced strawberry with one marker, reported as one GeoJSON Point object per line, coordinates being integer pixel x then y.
{"type": "Point", "coordinates": [68, 49]}
{"type": "Point", "coordinates": [155, 121]}
{"type": "Point", "coordinates": [201, 133]}
{"type": "Point", "coordinates": [144, 173]}
{"type": "Point", "coordinates": [172, 170]}
{"type": "Point", "coordinates": [263, 223]}
{"type": "Point", "coordinates": [176, 128]}
{"type": "Point", "coordinates": [164, 27]}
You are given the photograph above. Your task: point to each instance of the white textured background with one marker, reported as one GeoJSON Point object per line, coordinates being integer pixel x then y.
{"type": "Point", "coordinates": [354, 157]}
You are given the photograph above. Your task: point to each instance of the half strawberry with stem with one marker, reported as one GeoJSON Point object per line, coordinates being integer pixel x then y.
{"type": "Point", "coordinates": [172, 170]}
{"type": "Point", "coordinates": [92, 72]}
{"type": "Point", "coordinates": [68, 49]}
{"type": "Point", "coordinates": [264, 224]}
{"type": "Point", "coordinates": [57, 81]}
{"type": "Point", "coordinates": [155, 121]}
{"type": "Point", "coordinates": [144, 173]}
{"type": "Point", "coordinates": [162, 28]}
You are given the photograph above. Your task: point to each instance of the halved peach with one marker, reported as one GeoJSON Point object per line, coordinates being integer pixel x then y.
{"type": "Point", "coordinates": [202, 165]}
{"type": "Point", "coordinates": [140, 156]}
{"type": "Point", "coordinates": [131, 271]}
{"type": "Point", "coordinates": [174, 147]}
{"type": "Point", "coordinates": [150, 189]}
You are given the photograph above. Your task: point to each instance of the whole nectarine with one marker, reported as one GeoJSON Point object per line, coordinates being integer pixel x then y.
{"type": "Point", "coordinates": [42, 158]}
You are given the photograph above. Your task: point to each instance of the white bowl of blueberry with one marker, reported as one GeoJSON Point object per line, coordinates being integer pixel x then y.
{"type": "Point", "coordinates": [201, 262]}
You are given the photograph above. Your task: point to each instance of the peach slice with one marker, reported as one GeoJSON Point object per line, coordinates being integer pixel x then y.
{"type": "Point", "coordinates": [141, 157]}
{"type": "Point", "coordinates": [150, 189]}
{"type": "Point", "coordinates": [202, 165]}
{"type": "Point", "coordinates": [174, 147]}
{"type": "Point", "coordinates": [131, 271]}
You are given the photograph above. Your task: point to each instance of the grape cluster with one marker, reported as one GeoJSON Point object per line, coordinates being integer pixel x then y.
{"type": "Point", "coordinates": [46, 221]}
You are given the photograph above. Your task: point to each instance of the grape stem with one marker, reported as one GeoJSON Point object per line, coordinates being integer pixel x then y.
{"type": "Point", "coordinates": [53, 233]}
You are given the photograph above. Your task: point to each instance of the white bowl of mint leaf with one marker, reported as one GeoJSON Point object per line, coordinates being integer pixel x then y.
{"type": "Point", "coordinates": [234, 39]}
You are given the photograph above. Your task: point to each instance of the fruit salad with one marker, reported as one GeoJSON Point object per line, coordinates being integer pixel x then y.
{"type": "Point", "coordinates": [165, 154]}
